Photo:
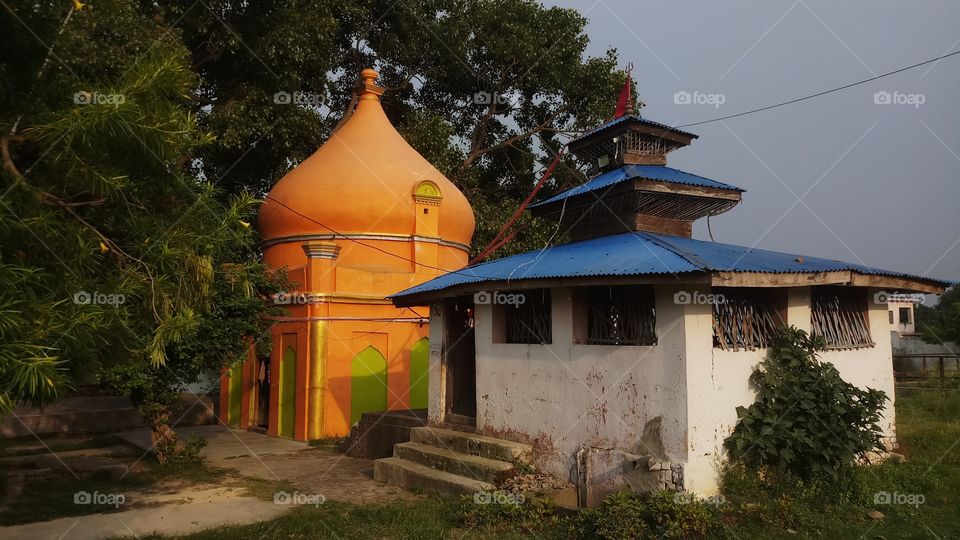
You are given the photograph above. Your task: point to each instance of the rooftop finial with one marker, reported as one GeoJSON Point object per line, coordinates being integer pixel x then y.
{"type": "Point", "coordinates": [625, 103]}
{"type": "Point", "coordinates": [369, 89]}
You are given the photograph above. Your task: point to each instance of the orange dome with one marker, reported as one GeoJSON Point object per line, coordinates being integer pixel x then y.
{"type": "Point", "coordinates": [362, 180]}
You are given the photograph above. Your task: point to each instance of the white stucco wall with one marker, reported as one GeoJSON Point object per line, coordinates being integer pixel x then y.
{"type": "Point", "coordinates": [563, 396]}
{"type": "Point", "coordinates": [717, 381]}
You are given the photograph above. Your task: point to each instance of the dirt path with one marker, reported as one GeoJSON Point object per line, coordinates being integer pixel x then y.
{"type": "Point", "coordinates": [171, 514]}
{"type": "Point", "coordinates": [175, 508]}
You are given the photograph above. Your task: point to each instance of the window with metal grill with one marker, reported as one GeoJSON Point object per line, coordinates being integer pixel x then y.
{"type": "Point", "coordinates": [621, 315]}
{"type": "Point", "coordinates": [530, 321]}
{"type": "Point", "coordinates": [746, 318]}
{"type": "Point", "coordinates": [839, 315]}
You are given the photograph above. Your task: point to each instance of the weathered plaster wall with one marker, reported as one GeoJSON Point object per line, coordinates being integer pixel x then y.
{"type": "Point", "coordinates": [717, 381]}
{"type": "Point", "coordinates": [564, 396]}
{"type": "Point", "coordinates": [435, 398]}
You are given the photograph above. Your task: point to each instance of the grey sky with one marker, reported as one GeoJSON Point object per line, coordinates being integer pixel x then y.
{"type": "Point", "coordinates": [883, 179]}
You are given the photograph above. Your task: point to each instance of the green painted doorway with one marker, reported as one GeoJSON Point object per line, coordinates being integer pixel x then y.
{"type": "Point", "coordinates": [286, 409]}
{"type": "Point", "coordinates": [368, 383]}
{"type": "Point", "coordinates": [419, 374]}
{"type": "Point", "coordinates": [234, 394]}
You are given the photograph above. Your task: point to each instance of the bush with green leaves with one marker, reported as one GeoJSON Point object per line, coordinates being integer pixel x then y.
{"type": "Point", "coordinates": [806, 418]}
{"type": "Point", "coordinates": [663, 514]}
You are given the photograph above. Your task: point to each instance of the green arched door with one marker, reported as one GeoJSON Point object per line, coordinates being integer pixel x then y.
{"type": "Point", "coordinates": [419, 373]}
{"type": "Point", "coordinates": [368, 383]}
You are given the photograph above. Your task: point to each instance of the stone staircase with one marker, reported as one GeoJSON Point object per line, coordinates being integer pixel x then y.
{"type": "Point", "coordinates": [448, 462]}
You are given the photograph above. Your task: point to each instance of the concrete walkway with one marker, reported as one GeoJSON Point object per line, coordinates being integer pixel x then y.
{"type": "Point", "coordinates": [313, 472]}
{"type": "Point", "coordinates": [178, 514]}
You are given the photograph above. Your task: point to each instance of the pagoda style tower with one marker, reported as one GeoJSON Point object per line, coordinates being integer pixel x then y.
{"type": "Point", "coordinates": [363, 217]}
{"type": "Point", "coordinates": [632, 189]}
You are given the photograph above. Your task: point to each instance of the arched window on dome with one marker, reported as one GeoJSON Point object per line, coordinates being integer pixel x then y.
{"type": "Point", "coordinates": [427, 197]}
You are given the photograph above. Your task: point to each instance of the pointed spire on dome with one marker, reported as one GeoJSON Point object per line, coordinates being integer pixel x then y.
{"type": "Point", "coordinates": [369, 88]}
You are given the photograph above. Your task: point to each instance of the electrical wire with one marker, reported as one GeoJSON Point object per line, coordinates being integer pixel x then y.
{"type": "Point", "coordinates": [375, 248]}
{"type": "Point", "coordinates": [823, 93]}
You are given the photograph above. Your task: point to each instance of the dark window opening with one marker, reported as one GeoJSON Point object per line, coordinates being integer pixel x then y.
{"type": "Point", "coordinates": [839, 316]}
{"type": "Point", "coordinates": [891, 316]}
{"type": "Point", "coordinates": [904, 315]}
{"type": "Point", "coordinates": [621, 315]}
{"type": "Point", "coordinates": [746, 318]}
{"type": "Point", "coordinates": [529, 321]}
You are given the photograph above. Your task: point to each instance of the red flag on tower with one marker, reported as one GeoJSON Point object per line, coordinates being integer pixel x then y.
{"type": "Point", "coordinates": [624, 106]}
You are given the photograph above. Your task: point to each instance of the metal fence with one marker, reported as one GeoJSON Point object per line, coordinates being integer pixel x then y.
{"type": "Point", "coordinates": [912, 367]}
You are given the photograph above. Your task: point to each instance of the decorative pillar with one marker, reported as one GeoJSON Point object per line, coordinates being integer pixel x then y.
{"type": "Point", "coordinates": [320, 278]}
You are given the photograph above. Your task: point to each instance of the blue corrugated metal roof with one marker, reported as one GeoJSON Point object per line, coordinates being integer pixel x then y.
{"type": "Point", "coordinates": [633, 172]}
{"type": "Point", "coordinates": [630, 117]}
{"type": "Point", "coordinates": [640, 253]}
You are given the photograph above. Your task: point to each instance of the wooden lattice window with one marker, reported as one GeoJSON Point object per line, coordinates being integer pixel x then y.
{"type": "Point", "coordinates": [531, 320]}
{"type": "Point", "coordinates": [839, 315]}
{"type": "Point", "coordinates": [621, 315]}
{"type": "Point", "coordinates": [745, 318]}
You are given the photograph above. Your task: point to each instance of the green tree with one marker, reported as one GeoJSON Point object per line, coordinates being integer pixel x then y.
{"type": "Point", "coordinates": [114, 256]}
{"type": "Point", "coordinates": [485, 89]}
{"type": "Point", "coordinates": [941, 323]}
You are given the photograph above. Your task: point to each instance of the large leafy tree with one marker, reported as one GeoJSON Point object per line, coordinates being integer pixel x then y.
{"type": "Point", "coordinates": [485, 89]}
{"type": "Point", "coordinates": [114, 257]}
{"type": "Point", "coordinates": [941, 323]}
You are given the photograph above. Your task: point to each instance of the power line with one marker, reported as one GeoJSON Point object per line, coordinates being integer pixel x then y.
{"type": "Point", "coordinates": [823, 93]}
{"type": "Point", "coordinates": [364, 244]}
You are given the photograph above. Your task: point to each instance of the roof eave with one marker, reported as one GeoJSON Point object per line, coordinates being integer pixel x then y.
{"type": "Point", "coordinates": [714, 278]}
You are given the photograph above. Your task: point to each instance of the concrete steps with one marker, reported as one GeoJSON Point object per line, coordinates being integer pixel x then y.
{"type": "Point", "coordinates": [444, 461]}
{"type": "Point", "coordinates": [473, 444]}
{"type": "Point", "coordinates": [401, 472]}
{"type": "Point", "coordinates": [476, 467]}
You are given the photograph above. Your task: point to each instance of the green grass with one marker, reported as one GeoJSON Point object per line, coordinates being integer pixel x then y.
{"type": "Point", "coordinates": [928, 430]}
